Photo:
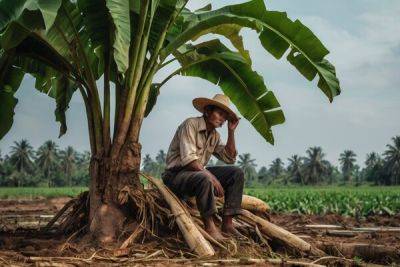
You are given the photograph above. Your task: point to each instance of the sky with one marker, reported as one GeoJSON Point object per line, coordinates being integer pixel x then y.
{"type": "Point", "coordinates": [364, 43]}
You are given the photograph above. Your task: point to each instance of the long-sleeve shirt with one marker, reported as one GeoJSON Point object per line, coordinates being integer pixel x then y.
{"type": "Point", "coordinates": [191, 142]}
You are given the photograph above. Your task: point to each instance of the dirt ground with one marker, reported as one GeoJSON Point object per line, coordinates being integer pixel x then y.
{"type": "Point", "coordinates": [22, 244]}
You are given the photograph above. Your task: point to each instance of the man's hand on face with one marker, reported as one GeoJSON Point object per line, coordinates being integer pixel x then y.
{"type": "Point", "coordinates": [232, 124]}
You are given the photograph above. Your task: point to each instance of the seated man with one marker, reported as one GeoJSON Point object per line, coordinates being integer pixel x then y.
{"type": "Point", "coordinates": [195, 140]}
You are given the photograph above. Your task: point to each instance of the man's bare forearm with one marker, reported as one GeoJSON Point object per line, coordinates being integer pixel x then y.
{"type": "Point", "coordinates": [230, 143]}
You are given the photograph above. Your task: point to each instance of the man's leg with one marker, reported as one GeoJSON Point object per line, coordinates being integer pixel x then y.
{"type": "Point", "coordinates": [198, 184]}
{"type": "Point", "coordinates": [232, 180]}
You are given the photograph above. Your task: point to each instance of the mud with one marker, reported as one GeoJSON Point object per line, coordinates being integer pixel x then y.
{"type": "Point", "coordinates": [22, 244]}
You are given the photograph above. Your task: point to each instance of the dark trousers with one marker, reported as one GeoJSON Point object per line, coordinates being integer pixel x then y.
{"type": "Point", "coordinates": [186, 183]}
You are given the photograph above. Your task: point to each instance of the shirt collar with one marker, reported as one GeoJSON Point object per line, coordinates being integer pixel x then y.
{"type": "Point", "coordinates": [202, 124]}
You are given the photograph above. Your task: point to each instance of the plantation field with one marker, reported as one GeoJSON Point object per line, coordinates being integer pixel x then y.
{"type": "Point", "coordinates": [351, 201]}
{"type": "Point", "coordinates": [37, 192]}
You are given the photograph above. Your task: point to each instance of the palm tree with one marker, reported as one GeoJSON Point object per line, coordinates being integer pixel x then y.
{"type": "Point", "coordinates": [315, 166]}
{"type": "Point", "coordinates": [373, 168]}
{"type": "Point", "coordinates": [81, 176]}
{"type": "Point", "coordinates": [392, 160]}
{"type": "Point", "coordinates": [276, 168]}
{"type": "Point", "coordinates": [295, 169]}
{"type": "Point", "coordinates": [347, 159]}
{"type": "Point", "coordinates": [263, 174]}
{"type": "Point", "coordinates": [148, 164]}
{"type": "Point", "coordinates": [161, 157]}
{"type": "Point", "coordinates": [72, 46]}
{"type": "Point", "coordinates": [372, 159]}
{"type": "Point", "coordinates": [68, 159]}
{"type": "Point", "coordinates": [47, 160]}
{"type": "Point", "coordinates": [247, 164]}
{"type": "Point", "coordinates": [21, 156]}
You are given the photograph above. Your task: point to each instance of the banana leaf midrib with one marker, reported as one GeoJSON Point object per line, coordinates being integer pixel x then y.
{"type": "Point", "coordinates": [170, 46]}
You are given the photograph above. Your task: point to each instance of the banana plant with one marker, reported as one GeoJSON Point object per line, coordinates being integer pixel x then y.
{"type": "Point", "coordinates": [70, 46]}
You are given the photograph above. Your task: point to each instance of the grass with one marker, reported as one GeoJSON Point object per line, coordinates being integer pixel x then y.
{"type": "Point", "coordinates": [35, 192]}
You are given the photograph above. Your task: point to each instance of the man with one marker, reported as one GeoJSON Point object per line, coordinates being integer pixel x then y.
{"type": "Point", "coordinates": [195, 140]}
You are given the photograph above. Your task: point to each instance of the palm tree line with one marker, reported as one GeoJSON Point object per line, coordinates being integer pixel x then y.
{"type": "Point", "coordinates": [51, 166]}
{"type": "Point", "coordinates": [311, 169]}
{"type": "Point", "coordinates": [47, 166]}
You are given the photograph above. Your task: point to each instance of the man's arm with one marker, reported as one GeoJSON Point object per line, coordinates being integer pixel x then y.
{"type": "Point", "coordinates": [230, 143]}
{"type": "Point", "coordinates": [227, 152]}
{"type": "Point", "coordinates": [195, 165]}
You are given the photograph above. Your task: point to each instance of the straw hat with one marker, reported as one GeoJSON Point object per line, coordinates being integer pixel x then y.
{"type": "Point", "coordinates": [219, 100]}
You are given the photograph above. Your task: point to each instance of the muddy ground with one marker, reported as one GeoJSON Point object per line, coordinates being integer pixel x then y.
{"type": "Point", "coordinates": [378, 240]}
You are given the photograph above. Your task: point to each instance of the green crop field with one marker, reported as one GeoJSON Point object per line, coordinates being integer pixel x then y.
{"type": "Point", "coordinates": [352, 201]}
{"type": "Point", "coordinates": [34, 192]}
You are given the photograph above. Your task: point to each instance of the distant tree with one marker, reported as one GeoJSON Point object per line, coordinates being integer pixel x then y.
{"type": "Point", "coordinates": [148, 164]}
{"type": "Point", "coordinates": [68, 159]}
{"type": "Point", "coordinates": [295, 169]}
{"type": "Point", "coordinates": [276, 170]}
{"type": "Point", "coordinates": [21, 159]}
{"type": "Point", "coordinates": [333, 174]}
{"type": "Point", "coordinates": [160, 159]}
{"type": "Point", "coordinates": [263, 175]}
{"type": "Point", "coordinates": [392, 161]}
{"type": "Point", "coordinates": [81, 176]}
{"type": "Point", "coordinates": [373, 168]}
{"type": "Point", "coordinates": [347, 160]}
{"type": "Point", "coordinates": [47, 161]}
{"type": "Point", "coordinates": [315, 166]}
{"type": "Point", "coordinates": [21, 156]}
{"type": "Point", "coordinates": [247, 164]}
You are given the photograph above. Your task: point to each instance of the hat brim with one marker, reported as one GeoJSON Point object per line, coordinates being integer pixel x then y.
{"type": "Point", "coordinates": [200, 102]}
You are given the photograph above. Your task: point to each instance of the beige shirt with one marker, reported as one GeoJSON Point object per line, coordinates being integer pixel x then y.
{"type": "Point", "coordinates": [191, 142]}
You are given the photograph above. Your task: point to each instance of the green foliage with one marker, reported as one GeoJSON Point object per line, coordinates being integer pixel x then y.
{"type": "Point", "coordinates": [47, 166]}
{"type": "Point", "coordinates": [35, 192]}
{"type": "Point", "coordinates": [350, 201]}
{"type": "Point", "coordinates": [68, 45]}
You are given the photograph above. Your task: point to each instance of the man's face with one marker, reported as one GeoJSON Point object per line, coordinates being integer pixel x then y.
{"type": "Point", "coordinates": [217, 117]}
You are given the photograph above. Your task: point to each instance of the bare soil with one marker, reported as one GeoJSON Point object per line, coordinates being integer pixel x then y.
{"type": "Point", "coordinates": [22, 244]}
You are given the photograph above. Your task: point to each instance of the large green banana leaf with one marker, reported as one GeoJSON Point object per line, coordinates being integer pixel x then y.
{"type": "Point", "coordinates": [119, 11]}
{"type": "Point", "coordinates": [11, 10]}
{"type": "Point", "coordinates": [214, 62]}
{"type": "Point", "coordinates": [277, 34]}
{"type": "Point", "coordinates": [10, 80]}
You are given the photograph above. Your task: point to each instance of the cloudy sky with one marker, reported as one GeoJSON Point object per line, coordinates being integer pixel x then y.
{"type": "Point", "coordinates": [364, 40]}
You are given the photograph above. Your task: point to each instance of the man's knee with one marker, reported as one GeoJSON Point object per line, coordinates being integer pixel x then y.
{"type": "Point", "coordinates": [203, 178]}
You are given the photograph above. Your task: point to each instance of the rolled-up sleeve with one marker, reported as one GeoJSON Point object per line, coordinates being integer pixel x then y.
{"type": "Point", "coordinates": [221, 153]}
{"type": "Point", "coordinates": [187, 143]}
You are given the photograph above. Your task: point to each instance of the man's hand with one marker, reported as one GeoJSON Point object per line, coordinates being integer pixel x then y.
{"type": "Point", "coordinates": [233, 124]}
{"type": "Point", "coordinates": [218, 189]}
